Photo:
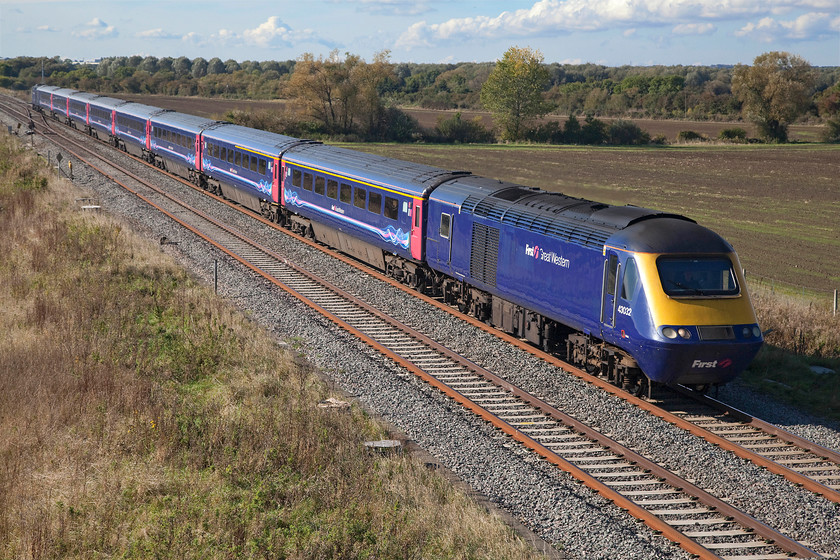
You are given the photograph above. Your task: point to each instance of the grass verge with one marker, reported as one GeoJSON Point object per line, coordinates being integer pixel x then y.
{"type": "Point", "coordinates": [141, 417]}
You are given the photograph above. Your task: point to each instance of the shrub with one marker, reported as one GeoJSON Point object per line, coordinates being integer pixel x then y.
{"type": "Point", "coordinates": [831, 134]}
{"type": "Point", "coordinates": [458, 130]}
{"type": "Point", "coordinates": [733, 134]}
{"type": "Point", "coordinates": [626, 133]}
{"type": "Point", "coordinates": [593, 131]}
{"type": "Point", "coordinates": [690, 136]}
{"type": "Point", "coordinates": [547, 133]}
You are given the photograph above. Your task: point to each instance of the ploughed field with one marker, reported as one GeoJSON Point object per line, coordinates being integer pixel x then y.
{"type": "Point", "coordinates": [779, 206]}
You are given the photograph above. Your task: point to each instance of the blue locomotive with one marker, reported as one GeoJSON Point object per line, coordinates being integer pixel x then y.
{"type": "Point", "coordinates": [629, 293]}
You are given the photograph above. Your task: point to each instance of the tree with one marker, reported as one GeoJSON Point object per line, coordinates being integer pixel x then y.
{"type": "Point", "coordinates": [774, 91]}
{"type": "Point", "coordinates": [338, 92]}
{"type": "Point", "coordinates": [513, 92]}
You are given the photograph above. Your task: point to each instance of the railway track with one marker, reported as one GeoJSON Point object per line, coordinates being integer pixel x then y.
{"type": "Point", "coordinates": [686, 514]}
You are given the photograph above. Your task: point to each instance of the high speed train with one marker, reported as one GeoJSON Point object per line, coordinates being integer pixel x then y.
{"type": "Point", "coordinates": [632, 294]}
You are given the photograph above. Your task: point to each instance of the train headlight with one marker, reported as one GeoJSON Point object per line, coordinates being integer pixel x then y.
{"type": "Point", "coordinates": [747, 332]}
{"type": "Point", "coordinates": [668, 332]}
{"type": "Point", "coordinates": [756, 332]}
{"type": "Point", "coordinates": [685, 333]}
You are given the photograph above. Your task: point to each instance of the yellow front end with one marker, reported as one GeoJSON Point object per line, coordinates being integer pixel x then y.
{"type": "Point", "coordinates": [697, 311]}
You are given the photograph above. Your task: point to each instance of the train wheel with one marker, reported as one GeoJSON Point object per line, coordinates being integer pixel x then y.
{"type": "Point", "coordinates": [637, 386]}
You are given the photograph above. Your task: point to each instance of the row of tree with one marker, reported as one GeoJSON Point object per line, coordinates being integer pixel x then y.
{"type": "Point", "coordinates": [345, 95]}
{"type": "Point", "coordinates": [776, 90]}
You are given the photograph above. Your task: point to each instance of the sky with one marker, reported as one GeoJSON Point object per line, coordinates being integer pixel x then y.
{"type": "Point", "coordinates": [607, 32]}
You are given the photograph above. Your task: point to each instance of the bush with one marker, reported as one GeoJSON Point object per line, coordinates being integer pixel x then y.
{"type": "Point", "coordinates": [831, 134]}
{"type": "Point", "coordinates": [626, 133]}
{"type": "Point", "coordinates": [593, 131]}
{"type": "Point", "coordinates": [457, 130]}
{"type": "Point", "coordinates": [733, 134]}
{"type": "Point", "coordinates": [690, 136]}
{"type": "Point", "coordinates": [546, 133]}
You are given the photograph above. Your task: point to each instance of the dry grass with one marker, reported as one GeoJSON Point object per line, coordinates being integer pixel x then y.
{"type": "Point", "coordinates": [803, 335]}
{"type": "Point", "coordinates": [142, 417]}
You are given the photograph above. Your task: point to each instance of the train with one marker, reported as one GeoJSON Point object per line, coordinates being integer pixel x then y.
{"type": "Point", "coordinates": [637, 296]}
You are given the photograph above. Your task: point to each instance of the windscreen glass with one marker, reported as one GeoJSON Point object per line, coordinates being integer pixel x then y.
{"type": "Point", "coordinates": [697, 277]}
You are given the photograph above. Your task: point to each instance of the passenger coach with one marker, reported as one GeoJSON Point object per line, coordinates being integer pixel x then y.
{"type": "Point", "coordinates": [362, 203]}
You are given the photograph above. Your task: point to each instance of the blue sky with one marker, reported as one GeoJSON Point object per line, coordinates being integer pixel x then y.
{"type": "Point", "coordinates": [609, 32]}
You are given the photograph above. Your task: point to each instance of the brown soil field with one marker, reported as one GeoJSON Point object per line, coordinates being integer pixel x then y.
{"type": "Point", "coordinates": [779, 206]}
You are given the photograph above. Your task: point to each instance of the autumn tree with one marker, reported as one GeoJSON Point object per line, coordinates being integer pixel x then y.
{"type": "Point", "coordinates": [774, 91]}
{"type": "Point", "coordinates": [513, 92]}
{"type": "Point", "coordinates": [341, 94]}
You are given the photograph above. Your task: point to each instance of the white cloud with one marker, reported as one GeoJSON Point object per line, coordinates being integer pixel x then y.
{"type": "Point", "coordinates": [273, 32]}
{"type": "Point", "coordinates": [694, 29]}
{"type": "Point", "coordinates": [392, 7]}
{"type": "Point", "coordinates": [157, 33]}
{"type": "Point", "coordinates": [192, 37]}
{"type": "Point", "coordinates": [805, 27]}
{"type": "Point", "coordinates": [47, 28]}
{"type": "Point", "coordinates": [96, 29]}
{"type": "Point", "coordinates": [550, 17]}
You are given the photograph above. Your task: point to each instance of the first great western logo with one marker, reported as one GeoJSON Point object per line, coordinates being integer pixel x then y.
{"type": "Point", "coordinates": [547, 256]}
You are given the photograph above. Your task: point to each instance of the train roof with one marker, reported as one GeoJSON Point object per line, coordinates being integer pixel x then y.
{"type": "Point", "coordinates": [139, 110]}
{"type": "Point", "coordinates": [107, 102]}
{"type": "Point", "coordinates": [65, 92]}
{"type": "Point", "coordinates": [666, 234]}
{"type": "Point", "coordinates": [267, 143]}
{"type": "Point", "coordinates": [46, 89]}
{"type": "Point", "coordinates": [576, 220]}
{"type": "Point", "coordinates": [414, 179]}
{"type": "Point", "coordinates": [183, 121]}
{"type": "Point", "coordinates": [84, 96]}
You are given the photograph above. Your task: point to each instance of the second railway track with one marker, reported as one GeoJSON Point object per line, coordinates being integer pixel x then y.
{"type": "Point", "coordinates": [537, 425]}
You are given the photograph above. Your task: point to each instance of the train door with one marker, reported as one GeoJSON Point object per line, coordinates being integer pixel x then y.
{"type": "Point", "coordinates": [609, 291]}
{"type": "Point", "coordinates": [445, 233]}
{"type": "Point", "coordinates": [417, 230]}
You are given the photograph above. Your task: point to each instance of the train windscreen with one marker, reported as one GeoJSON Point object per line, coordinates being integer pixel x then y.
{"type": "Point", "coordinates": [697, 277]}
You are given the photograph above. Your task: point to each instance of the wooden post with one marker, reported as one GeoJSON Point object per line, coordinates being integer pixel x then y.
{"type": "Point", "coordinates": [835, 303]}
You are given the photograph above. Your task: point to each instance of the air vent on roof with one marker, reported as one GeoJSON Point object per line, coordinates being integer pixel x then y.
{"type": "Point", "coordinates": [514, 193]}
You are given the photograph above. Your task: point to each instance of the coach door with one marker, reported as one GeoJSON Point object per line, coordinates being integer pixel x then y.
{"type": "Point", "coordinates": [417, 229]}
{"type": "Point", "coordinates": [608, 291]}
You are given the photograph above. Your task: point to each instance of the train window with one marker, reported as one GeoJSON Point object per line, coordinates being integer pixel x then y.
{"type": "Point", "coordinates": [237, 159]}
{"type": "Point", "coordinates": [319, 185]}
{"type": "Point", "coordinates": [359, 197]}
{"type": "Point", "coordinates": [296, 177]}
{"type": "Point", "coordinates": [613, 269]}
{"type": "Point", "coordinates": [230, 155]}
{"type": "Point", "coordinates": [262, 166]}
{"type": "Point", "coordinates": [345, 193]}
{"type": "Point", "coordinates": [245, 163]}
{"type": "Point", "coordinates": [445, 225]}
{"type": "Point", "coordinates": [216, 151]}
{"type": "Point", "coordinates": [254, 160]}
{"type": "Point", "coordinates": [631, 278]}
{"type": "Point", "coordinates": [332, 188]}
{"type": "Point", "coordinates": [697, 277]}
{"type": "Point", "coordinates": [307, 181]}
{"type": "Point", "coordinates": [224, 154]}
{"type": "Point", "coordinates": [375, 202]}
{"type": "Point", "coordinates": [392, 208]}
